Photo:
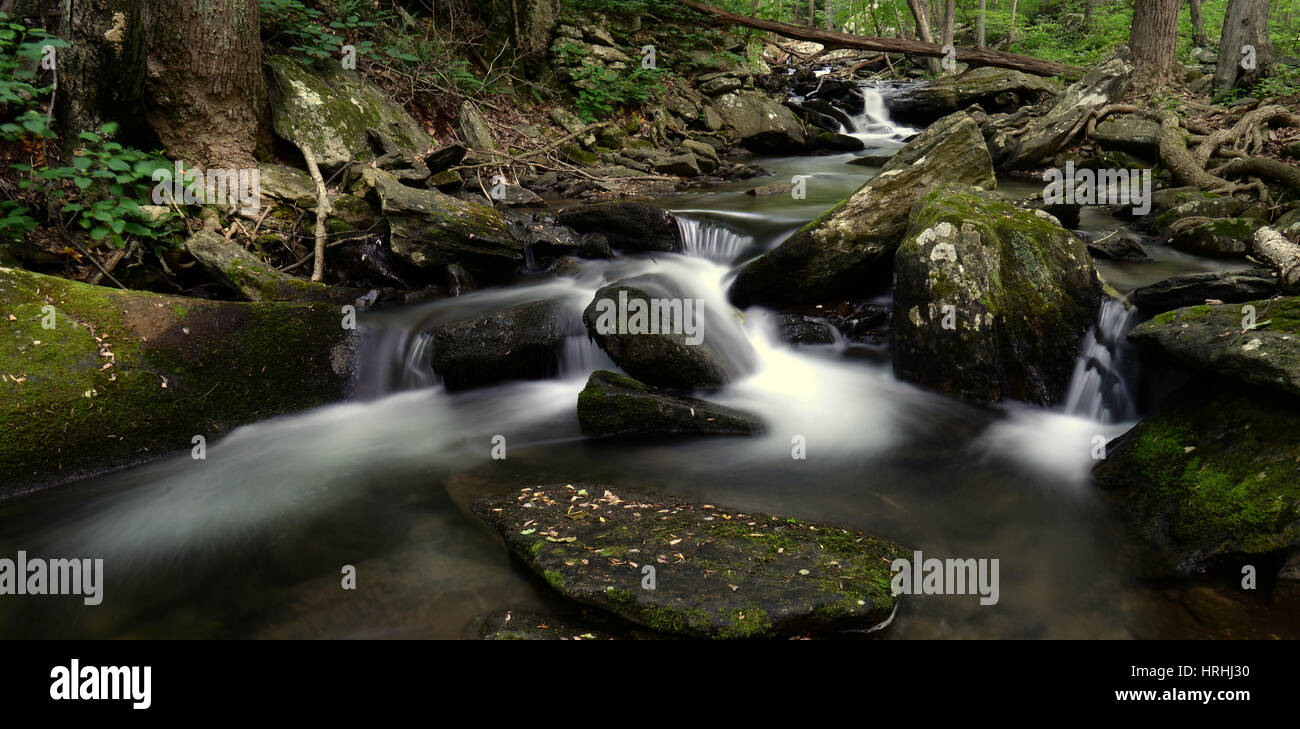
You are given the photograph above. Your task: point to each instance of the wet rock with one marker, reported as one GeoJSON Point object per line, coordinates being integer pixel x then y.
{"type": "Point", "coordinates": [612, 404]}
{"type": "Point", "coordinates": [1212, 339]}
{"type": "Point", "coordinates": [1221, 238]}
{"type": "Point", "coordinates": [521, 342]}
{"type": "Point", "coordinates": [1192, 289]}
{"type": "Point", "coordinates": [769, 190]}
{"type": "Point", "coordinates": [1192, 204]}
{"type": "Point", "coordinates": [839, 142]}
{"type": "Point", "coordinates": [846, 252]}
{"type": "Point", "coordinates": [459, 281]}
{"type": "Point", "coordinates": [800, 329]}
{"type": "Point", "coordinates": [151, 371]}
{"type": "Point", "coordinates": [1213, 473]}
{"type": "Point", "coordinates": [719, 573]}
{"type": "Point", "coordinates": [628, 226]}
{"type": "Point", "coordinates": [689, 351]}
{"type": "Point", "coordinates": [1119, 247]}
{"type": "Point", "coordinates": [1021, 290]}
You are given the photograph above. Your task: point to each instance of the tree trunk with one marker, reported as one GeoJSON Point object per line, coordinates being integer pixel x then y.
{"type": "Point", "coordinates": [101, 76]}
{"type": "Point", "coordinates": [1198, 24]}
{"type": "Point", "coordinates": [205, 78]}
{"type": "Point", "coordinates": [949, 22]}
{"type": "Point", "coordinates": [979, 25]}
{"type": "Point", "coordinates": [1011, 29]}
{"type": "Point", "coordinates": [1245, 27]}
{"type": "Point", "coordinates": [923, 32]}
{"type": "Point", "coordinates": [1154, 37]}
{"type": "Point", "coordinates": [832, 39]}
{"type": "Point", "coordinates": [812, 13]}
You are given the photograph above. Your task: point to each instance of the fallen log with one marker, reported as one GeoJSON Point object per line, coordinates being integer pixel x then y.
{"type": "Point", "coordinates": [1281, 254]}
{"type": "Point", "coordinates": [834, 39]}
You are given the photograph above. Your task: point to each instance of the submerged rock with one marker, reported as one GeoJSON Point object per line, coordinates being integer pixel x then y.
{"type": "Point", "coordinates": [1214, 472]}
{"type": "Point", "coordinates": [717, 573]}
{"type": "Point", "coordinates": [628, 226]}
{"type": "Point", "coordinates": [521, 342]}
{"type": "Point", "coordinates": [1119, 247]}
{"type": "Point", "coordinates": [124, 375]}
{"type": "Point", "coordinates": [612, 404]}
{"type": "Point", "coordinates": [848, 249]}
{"type": "Point", "coordinates": [1213, 339]}
{"type": "Point", "coordinates": [990, 300]}
{"type": "Point", "coordinates": [1192, 289]}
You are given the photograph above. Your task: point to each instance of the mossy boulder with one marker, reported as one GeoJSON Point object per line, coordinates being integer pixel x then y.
{"type": "Point", "coordinates": [846, 251]}
{"type": "Point", "coordinates": [124, 376]}
{"type": "Point", "coordinates": [612, 404]}
{"type": "Point", "coordinates": [328, 110]}
{"type": "Point", "coordinates": [692, 347]}
{"type": "Point", "coordinates": [520, 342]}
{"type": "Point", "coordinates": [1023, 292]}
{"type": "Point", "coordinates": [718, 573]}
{"type": "Point", "coordinates": [1220, 238]}
{"type": "Point", "coordinates": [1214, 472]}
{"type": "Point", "coordinates": [1193, 204]}
{"type": "Point", "coordinates": [628, 225]}
{"type": "Point", "coordinates": [1213, 339]}
{"type": "Point", "coordinates": [430, 230]}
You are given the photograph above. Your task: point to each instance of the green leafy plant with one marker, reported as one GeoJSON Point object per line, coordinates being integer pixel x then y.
{"type": "Point", "coordinates": [106, 182]}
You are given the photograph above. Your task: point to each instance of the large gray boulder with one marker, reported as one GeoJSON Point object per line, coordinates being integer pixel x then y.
{"type": "Point", "coordinates": [1046, 134]}
{"type": "Point", "coordinates": [1022, 292]}
{"type": "Point", "coordinates": [848, 249]}
{"type": "Point", "coordinates": [1129, 133]}
{"type": "Point", "coordinates": [328, 110]}
{"type": "Point", "coordinates": [124, 376]}
{"type": "Point", "coordinates": [760, 123]}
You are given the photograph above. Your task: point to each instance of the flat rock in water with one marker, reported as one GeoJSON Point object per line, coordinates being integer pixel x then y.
{"type": "Point", "coordinates": [716, 573]}
{"type": "Point", "coordinates": [1230, 287]}
{"type": "Point", "coordinates": [612, 404]}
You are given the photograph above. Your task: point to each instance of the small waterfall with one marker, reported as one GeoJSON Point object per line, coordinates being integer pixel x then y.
{"type": "Point", "coordinates": [1100, 387]}
{"type": "Point", "coordinates": [711, 240]}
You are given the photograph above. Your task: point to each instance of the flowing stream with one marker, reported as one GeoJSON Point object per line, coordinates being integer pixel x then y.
{"type": "Point", "coordinates": [251, 541]}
